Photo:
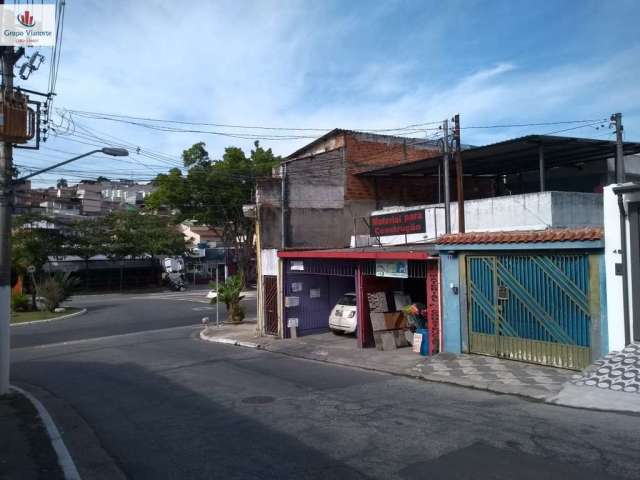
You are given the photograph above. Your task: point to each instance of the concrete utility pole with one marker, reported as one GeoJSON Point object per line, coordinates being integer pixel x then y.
{"type": "Point", "coordinates": [8, 58]}
{"type": "Point", "coordinates": [620, 173]}
{"type": "Point", "coordinates": [447, 181]}
{"type": "Point", "coordinates": [459, 174]}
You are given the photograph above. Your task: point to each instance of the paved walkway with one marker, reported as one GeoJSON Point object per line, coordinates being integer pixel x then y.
{"type": "Point", "coordinates": [25, 448]}
{"type": "Point", "coordinates": [486, 373]}
{"type": "Point", "coordinates": [611, 383]}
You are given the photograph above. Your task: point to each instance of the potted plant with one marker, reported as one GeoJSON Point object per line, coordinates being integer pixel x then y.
{"type": "Point", "coordinates": [230, 293]}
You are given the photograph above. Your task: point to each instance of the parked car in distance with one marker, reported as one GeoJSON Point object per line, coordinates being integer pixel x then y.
{"type": "Point", "coordinates": [343, 317]}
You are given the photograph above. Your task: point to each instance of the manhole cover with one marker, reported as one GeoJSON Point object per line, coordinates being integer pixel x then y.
{"type": "Point", "coordinates": [258, 400]}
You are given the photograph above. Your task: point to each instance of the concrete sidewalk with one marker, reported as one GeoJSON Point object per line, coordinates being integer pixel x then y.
{"type": "Point", "coordinates": [25, 447]}
{"type": "Point", "coordinates": [475, 371]}
{"type": "Point", "coordinates": [612, 383]}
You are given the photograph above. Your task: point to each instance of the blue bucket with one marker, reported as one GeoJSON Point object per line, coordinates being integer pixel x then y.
{"type": "Point", "coordinates": [424, 345]}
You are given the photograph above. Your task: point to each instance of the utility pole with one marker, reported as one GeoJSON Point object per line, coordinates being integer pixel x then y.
{"type": "Point", "coordinates": [8, 58]}
{"type": "Point", "coordinates": [459, 174]}
{"type": "Point", "coordinates": [621, 177]}
{"type": "Point", "coordinates": [447, 182]}
{"type": "Point", "coordinates": [283, 207]}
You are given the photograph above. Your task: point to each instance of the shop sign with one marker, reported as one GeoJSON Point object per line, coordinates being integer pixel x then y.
{"type": "Point", "coordinates": [292, 322]}
{"type": "Point", "coordinates": [314, 293]}
{"type": "Point", "coordinates": [400, 223]}
{"type": "Point", "coordinates": [296, 287]}
{"type": "Point", "coordinates": [392, 268]}
{"type": "Point", "coordinates": [297, 265]}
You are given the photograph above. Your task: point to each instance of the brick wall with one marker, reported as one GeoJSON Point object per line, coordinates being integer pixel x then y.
{"type": "Point", "coordinates": [365, 153]}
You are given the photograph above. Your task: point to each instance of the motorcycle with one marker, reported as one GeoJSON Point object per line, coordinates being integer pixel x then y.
{"type": "Point", "coordinates": [176, 282]}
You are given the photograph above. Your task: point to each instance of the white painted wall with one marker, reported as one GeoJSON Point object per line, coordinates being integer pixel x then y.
{"type": "Point", "coordinates": [269, 261]}
{"type": "Point", "coordinates": [532, 211]}
{"type": "Point", "coordinates": [612, 255]}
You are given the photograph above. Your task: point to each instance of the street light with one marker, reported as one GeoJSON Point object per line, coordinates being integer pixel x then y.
{"type": "Point", "coordinates": [112, 152]}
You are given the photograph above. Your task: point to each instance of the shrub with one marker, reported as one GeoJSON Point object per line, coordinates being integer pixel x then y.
{"type": "Point", "coordinates": [229, 293]}
{"type": "Point", "coordinates": [19, 302]}
{"type": "Point", "coordinates": [56, 289]}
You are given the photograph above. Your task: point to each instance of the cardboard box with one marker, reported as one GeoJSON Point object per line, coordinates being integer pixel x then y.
{"type": "Point", "coordinates": [387, 321]}
{"type": "Point", "coordinates": [394, 320]}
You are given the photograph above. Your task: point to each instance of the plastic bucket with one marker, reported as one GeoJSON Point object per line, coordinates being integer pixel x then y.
{"type": "Point", "coordinates": [424, 345]}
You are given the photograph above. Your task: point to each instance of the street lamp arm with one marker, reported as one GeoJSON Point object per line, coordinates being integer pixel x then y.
{"type": "Point", "coordinates": [114, 152]}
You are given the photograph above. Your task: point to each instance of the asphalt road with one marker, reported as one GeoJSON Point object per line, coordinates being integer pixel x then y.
{"type": "Point", "coordinates": [117, 314]}
{"type": "Point", "coordinates": [163, 404]}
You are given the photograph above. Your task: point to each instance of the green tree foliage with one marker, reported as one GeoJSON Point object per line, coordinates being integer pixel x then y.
{"type": "Point", "coordinates": [214, 191]}
{"type": "Point", "coordinates": [62, 182]}
{"type": "Point", "coordinates": [119, 235]}
{"type": "Point", "coordinates": [33, 241]}
{"type": "Point", "coordinates": [86, 239]}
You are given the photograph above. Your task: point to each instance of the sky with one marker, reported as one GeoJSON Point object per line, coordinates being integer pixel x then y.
{"type": "Point", "coordinates": [359, 65]}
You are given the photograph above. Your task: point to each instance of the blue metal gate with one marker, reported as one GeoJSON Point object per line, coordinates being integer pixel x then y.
{"type": "Point", "coordinates": [534, 308]}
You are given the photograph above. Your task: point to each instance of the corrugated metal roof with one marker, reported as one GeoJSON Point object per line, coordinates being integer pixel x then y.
{"type": "Point", "coordinates": [526, 236]}
{"type": "Point", "coordinates": [517, 155]}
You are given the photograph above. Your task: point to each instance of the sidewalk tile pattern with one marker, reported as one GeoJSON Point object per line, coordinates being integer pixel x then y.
{"type": "Point", "coordinates": [618, 371]}
{"type": "Point", "coordinates": [495, 370]}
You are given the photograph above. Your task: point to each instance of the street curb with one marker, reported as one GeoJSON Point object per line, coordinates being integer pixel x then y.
{"type": "Point", "coordinates": [228, 341]}
{"type": "Point", "coordinates": [443, 380]}
{"type": "Point", "coordinates": [484, 387]}
{"type": "Point", "coordinates": [549, 399]}
{"type": "Point", "coordinates": [64, 457]}
{"type": "Point", "coordinates": [55, 319]}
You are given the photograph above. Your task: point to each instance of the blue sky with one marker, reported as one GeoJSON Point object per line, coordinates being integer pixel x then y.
{"type": "Point", "coordinates": [360, 65]}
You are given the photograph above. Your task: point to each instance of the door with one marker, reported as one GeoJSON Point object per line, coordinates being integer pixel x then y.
{"type": "Point", "coordinates": [270, 304]}
{"type": "Point", "coordinates": [533, 308]}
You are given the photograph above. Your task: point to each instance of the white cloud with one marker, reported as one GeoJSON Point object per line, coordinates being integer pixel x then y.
{"type": "Point", "coordinates": [283, 64]}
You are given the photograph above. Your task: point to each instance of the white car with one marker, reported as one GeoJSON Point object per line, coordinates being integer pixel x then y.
{"type": "Point", "coordinates": [343, 317]}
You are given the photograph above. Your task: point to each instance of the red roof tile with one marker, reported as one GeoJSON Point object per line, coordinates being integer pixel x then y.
{"type": "Point", "coordinates": [528, 236]}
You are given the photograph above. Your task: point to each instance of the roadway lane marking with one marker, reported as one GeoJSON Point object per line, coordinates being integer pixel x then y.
{"type": "Point", "coordinates": [109, 337]}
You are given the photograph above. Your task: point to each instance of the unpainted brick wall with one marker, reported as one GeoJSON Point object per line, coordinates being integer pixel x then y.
{"type": "Point", "coordinates": [365, 154]}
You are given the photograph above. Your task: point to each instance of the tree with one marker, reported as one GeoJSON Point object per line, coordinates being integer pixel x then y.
{"type": "Point", "coordinates": [33, 242]}
{"type": "Point", "coordinates": [160, 237]}
{"type": "Point", "coordinates": [87, 238]}
{"type": "Point", "coordinates": [62, 183]}
{"type": "Point", "coordinates": [134, 234]}
{"type": "Point", "coordinates": [213, 192]}
{"type": "Point", "coordinates": [123, 238]}
{"type": "Point", "coordinates": [102, 179]}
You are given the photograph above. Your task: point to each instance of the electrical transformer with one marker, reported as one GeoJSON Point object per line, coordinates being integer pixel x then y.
{"type": "Point", "coordinates": [17, 120]}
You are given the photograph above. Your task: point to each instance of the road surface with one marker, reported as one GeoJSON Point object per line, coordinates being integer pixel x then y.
{"type": "Point", "coordinates": [164, 405]}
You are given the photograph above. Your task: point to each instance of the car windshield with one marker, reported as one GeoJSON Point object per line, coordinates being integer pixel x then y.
{"type": "Point", "coordinates": [349, 300]}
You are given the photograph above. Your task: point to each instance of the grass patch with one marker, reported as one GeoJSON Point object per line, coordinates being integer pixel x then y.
{"type": "Point", "coordinates": [20, 317]}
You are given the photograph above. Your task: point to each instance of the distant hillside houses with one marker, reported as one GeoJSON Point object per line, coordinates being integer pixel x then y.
{"type": "Point", "coordinates": [86, 198]}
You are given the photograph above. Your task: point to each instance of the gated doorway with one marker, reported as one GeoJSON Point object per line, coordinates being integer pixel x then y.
{"type": "Point", "coordinates": [533, 308]}
{"type": "Point", "coordinates": [270, 304]}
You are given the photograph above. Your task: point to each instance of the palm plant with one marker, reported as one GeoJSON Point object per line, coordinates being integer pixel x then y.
{"type": "Point", "coordinates": [230, 293]}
